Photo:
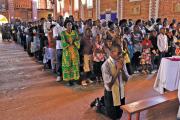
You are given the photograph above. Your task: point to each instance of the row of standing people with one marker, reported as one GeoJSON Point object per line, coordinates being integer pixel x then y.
{"type": "Point", "coordinates": [74, 47]}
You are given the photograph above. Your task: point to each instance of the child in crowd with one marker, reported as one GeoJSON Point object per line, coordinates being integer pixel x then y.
{"type": "Point", "coordinates": [98, 57]}
{"type": "Point", "coordinates": [107, 48]}
{"type": "Point", "coordinates": [46, 56]}
{"type": "Point", "coordinates": [127, 58]}
{"type": "Point", "coordinates": [87, 43]}
{"type": "Point", "coordinates": [146, 54]}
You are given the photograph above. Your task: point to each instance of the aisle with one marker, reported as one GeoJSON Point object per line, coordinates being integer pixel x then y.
{"type": "Point", "coordinates": [28, 93]}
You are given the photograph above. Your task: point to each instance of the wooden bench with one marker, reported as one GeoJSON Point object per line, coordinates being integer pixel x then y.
{"type": "Point", "coordinates": [141, 105]}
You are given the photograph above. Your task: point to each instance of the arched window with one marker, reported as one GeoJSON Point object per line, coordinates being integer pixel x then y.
{"type": "Point", "coordinates": [89, 4]}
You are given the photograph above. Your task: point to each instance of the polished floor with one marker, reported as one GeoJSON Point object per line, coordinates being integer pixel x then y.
{"type": "Point", "coordinates": [29, 93]}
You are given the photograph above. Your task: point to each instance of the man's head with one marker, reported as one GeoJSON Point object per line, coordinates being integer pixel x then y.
{"type": "Point", "coordinates": [162, 30]}
{"type": "Point", "coordinates": [88, 32]}
{"type": "Point", "coordinates": [111, 25]}
{"type": "Point", "coordinates": [49, 18]}
{"type": "Point", "coordinates": [116, 51]}
{"type": "Point", "coordinates": [61, 20]}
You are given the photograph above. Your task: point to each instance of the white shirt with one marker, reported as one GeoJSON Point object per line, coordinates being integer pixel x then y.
{"type": "Point", "coordinates": [95, 31]}
{"type": "Point", "coordinates": [57, 30]}
{"type": "Point", "coordinates": [162, 42]}
{"type": "Point", "coordinates": [46, 26]}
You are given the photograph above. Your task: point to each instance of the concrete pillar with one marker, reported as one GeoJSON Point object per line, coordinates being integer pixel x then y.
{"type": "Point", "coordinates": [11, 10]}
{"type": "Point", "coordinates": [97, 9]}
{"type": "Point", "coordinates": [82, 11]}
{"type": "Point", "coordinates": [156, 9]}
{"type": "Point", "coordinates": [120, 9]}
{"type": "Point", "coordinates": [55, 10]}
{"type": "Point", "coordinates": [34, 10]}
{"type": "Point", "coordinates": [150, 9]}
{"type": "Point", "coordinates": [70, 7]}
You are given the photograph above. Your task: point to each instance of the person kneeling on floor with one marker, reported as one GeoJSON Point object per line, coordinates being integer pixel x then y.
{"type": "Point", "coordinates": [115, 76]}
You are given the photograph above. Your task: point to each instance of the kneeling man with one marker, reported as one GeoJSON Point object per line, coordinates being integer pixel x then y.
{"type": "Point", "coordinates": [115, 76]}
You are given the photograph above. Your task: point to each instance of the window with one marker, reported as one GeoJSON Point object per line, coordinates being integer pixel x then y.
{"type": "Point", "coordinates": [76, 5]}
{"type": "Point", "coordinates": [62, 4]}
{"type": "Point", "coordinates": [89, 4]}
{"type": "Point", "coordinates": [49, 4]}
{"type": "Point", "coordinates": [58, 6]}
{"type": "Point", "coordinates": [38, 4]}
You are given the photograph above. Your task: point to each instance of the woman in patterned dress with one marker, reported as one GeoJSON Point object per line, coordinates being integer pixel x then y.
{"type": "Point", "coordinates": [70, 57]}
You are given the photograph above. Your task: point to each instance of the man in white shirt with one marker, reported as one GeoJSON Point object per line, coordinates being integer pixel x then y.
{"type": "Point", "coordinates": [162, 43]}
{"type": "Point", "coordinates": [57, 36]}
{"type": "Point", "coordinates": [115, 76]}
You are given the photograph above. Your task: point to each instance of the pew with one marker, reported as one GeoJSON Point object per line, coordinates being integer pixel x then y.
{"type": "Point", "coordinates": [144, 104]}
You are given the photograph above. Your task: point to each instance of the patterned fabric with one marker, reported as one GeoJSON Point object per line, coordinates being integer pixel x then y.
{"type": "Point", "coordinates": [146, 54]}
{"type": "Point", "coordinates": [70, 55]}
{"type": "Point", "coordinates": [108, 17]}
{"type": "Point", "coordinates": [98, 54]}
{"type": "Point", "coordinates": [177, 51]}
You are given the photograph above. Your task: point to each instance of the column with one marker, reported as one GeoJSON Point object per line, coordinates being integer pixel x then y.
{"type": "Point", "coordinates": [11, 10]}
{"type": "Point", "coordinates": [70, 7]}
{"type": "Point", "coordinates": [150, 9]}
{"type": "Point", "coordinates": [82, 11]}
{"type": "Point", "coordinates": [156, 9]}
{"type": "Point", "coordinates": [55, 9]}
{"type": "Point", "coordinates": [120, 9]}
{"type": "Point", "coordinates": [98, 6]}
{"type": "Point", "coordinates": [34, 10]}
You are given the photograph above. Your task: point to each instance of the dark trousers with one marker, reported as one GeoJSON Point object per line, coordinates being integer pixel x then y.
{"type": "Point", "coordinates": [59, 62]}
{"type": "Point", "coordinates": [114, 112]}
{"type": "Point", "coordinates": [97, 68]}
{"type": "Point", "coordinates": [129, 68]}
{"type": "Point", "coordinates": [162, 54]}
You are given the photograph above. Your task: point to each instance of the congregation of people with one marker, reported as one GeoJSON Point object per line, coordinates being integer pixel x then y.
{"type": "Point", "coordinates": [86, 51]}
{"type": "Point", "coordinates": [76, 50]}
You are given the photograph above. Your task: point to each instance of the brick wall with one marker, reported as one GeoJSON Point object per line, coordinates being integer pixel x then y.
{"type": "Point", "coordinates": [108, 5]}
{"type": "Point", "coordinates": [140, 9]}
{"type": "Point", "coordinates": [23, 14]}
{"type": "Point", "coordinates": [168, 9]}
{"type": "Point", "coordinates": [44, 13]}
{"type": "Point", "coordinates": [131, 10]}
{"type": "Point", "coordinates": [23, 4]}
{"type": "Point", "coordinates": [136, 10]}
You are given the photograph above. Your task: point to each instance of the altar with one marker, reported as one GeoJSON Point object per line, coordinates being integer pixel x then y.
{"type": "Point", "coordinates": [168, 75]}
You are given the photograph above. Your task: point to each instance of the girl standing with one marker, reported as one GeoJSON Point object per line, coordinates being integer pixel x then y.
{"type": "Point", "coordinates": [98, 57]}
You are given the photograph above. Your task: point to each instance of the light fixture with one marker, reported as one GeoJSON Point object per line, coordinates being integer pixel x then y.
{"type": "Point", "coordinates": [83, 2]}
